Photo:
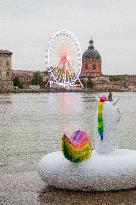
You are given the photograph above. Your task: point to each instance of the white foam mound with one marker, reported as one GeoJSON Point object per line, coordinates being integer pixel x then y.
{"type": "Point", "coordinates": [101, 172]}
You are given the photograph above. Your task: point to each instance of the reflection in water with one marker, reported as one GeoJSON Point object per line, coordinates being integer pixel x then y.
{"type": "Point", "coordinates": [5, 102]}
{"type": "Point", "coordinates": [5, 99]}
{"type": "Point", "coordinates": [53, 196]}
{"type": "Point", "coordinates": [65, 103]}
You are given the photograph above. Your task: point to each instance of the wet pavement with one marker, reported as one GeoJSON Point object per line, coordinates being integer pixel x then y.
{"type": "Point", "coordinates": [26, 188]}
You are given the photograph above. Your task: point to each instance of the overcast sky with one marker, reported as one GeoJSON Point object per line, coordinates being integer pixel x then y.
{"type": "Point", "coordinates": [26, 25]}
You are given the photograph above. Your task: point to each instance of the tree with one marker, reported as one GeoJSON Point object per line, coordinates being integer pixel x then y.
{"type": "Point", "coordinates": [84, 81]}
{"type": "Point", "coordinates": [114, 78]}
{"type": "Point", "coordinates": [17, 82]}
{"type": "Point", "coordinates": [37, 79]}
{"type": "Point", "coordinates": [89, 83]}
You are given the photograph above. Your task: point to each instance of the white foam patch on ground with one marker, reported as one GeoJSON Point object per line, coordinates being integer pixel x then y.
{"type": "Point", "coordinates": [101, 172]}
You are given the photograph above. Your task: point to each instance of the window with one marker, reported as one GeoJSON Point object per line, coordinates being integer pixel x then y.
{"type": "Point", "coordinates": [8, 74]}
{"type": "Point", "coordinates": [93, 67]}
{"type": "Point", "coordinates": [86, 66]}
{"type": "Point", "coordinates": [7, 63]}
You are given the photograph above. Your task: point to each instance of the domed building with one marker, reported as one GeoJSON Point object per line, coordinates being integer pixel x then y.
{"type": "Point", "coordinates": [91, 62]}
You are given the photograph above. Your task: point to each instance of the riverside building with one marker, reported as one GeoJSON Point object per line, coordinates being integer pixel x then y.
{"type": "Point", "coordinates": [6, 84]}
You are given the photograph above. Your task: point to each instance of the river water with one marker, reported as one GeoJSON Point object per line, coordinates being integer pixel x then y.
{"type": "Point", "coordinates": [31, 125]}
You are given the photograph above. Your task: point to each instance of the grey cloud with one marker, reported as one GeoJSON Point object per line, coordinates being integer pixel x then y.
{"type": "Point", "coordinates": [25, 27]}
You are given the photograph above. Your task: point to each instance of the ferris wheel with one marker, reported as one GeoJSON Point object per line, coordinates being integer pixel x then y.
{"type": "Point", "coordinates": [64, 58]}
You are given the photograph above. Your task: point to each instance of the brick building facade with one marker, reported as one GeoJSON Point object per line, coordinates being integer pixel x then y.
{"type": "Point", "coordinates": [91, 62]}
{"type": "Point", "coordinates": [25, 77]}
{"type": "Point", "coordinates": [6, 84]}
{"type": "Point", "coordinates": [115, 83]}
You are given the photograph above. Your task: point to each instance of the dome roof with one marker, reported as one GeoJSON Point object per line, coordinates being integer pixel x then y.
{"type": "Point", "coordinates": [91, 52]}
